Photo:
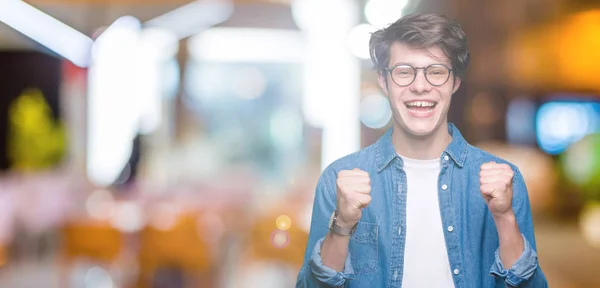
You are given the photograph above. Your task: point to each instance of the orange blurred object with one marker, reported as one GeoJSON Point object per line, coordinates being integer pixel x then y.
{"type": "Point", "coordinates": [2, 255]}
{"type": "Point", "coordinates": [177, 246]}
{"type": "Point", "coordinates": [560, 55]}
{"type": "Point", "coordinates": [88, 240]}
{"type": "Point", "coordinates": [94, 240]}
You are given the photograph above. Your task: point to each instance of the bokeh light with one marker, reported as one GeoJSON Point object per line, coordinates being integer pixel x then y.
{"type": "Point", "coordinates": [590, 223]}
{"type": "Point", "coordinates": [560, 124]}
{"type": "Point", "coordinates": [358, 40]}
{"type": "Point", "coordinates": [128, 217]}
{"type": "Point", "coordinates": [375, 111]}
{"type": "Point", "coordinates": [280, 239]}
{"type": "Point", "coordinates": [581, 163]}
{"type": "Point", "coordinates": [100, 204]}
{"type": "Point", "coordinates": [164, 216]}
{"type": "Point", "coordinates": [98, 277]}
{"type": "Point", "coordinates": [381, 13]}
{"type": "Point", "coordinates": [283, 222]}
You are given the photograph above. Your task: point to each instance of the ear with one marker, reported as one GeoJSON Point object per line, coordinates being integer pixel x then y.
{"type": "Point", "coordinates": [382, 80]}
{"type": "Point", "coordinates": [457, 82]}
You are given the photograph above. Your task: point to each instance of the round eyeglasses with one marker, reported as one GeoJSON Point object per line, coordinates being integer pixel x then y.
{"type": "Point", "coordinates": [404, 75]}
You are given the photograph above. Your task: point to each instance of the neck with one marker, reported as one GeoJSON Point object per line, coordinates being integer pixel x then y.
{"type": "Point", "coordinates": [421, 147]}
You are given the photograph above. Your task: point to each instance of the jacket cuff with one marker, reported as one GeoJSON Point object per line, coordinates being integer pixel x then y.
{"type": "Point", "coordinates": [325, 274]}
{"type": "Point", "coordinates": [521, 271]}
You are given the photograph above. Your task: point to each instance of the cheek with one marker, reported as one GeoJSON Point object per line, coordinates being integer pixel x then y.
{"type": "Point", "coordinates": [445, 93]}
{"type": "Point", "coordinates": [396, 94]}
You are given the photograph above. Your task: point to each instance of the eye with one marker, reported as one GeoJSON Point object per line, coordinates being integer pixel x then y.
{"type": "Point", "coordinates": [403, 71]}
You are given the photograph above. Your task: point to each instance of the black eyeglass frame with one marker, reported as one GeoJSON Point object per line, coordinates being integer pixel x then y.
{"type": "Point", "coordinates": [416, 70]}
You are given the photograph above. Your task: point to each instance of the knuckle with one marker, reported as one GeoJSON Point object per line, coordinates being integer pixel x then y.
{"type": "Point", "coordinates": [342, 189]}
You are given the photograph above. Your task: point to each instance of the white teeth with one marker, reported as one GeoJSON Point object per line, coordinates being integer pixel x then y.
{"type": "Point", "coordinates": [420, 104]}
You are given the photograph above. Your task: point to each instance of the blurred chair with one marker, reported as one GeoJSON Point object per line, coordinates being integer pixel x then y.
{"type": "Point", "coordinates": [94, 241]}
{"type": "Point", "coordinates": [272, 257]}
{"type": "Point", "coordinates": [175, 253]}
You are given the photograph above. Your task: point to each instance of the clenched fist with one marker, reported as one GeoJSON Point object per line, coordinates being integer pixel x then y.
{"type": "Point", "coordinates": [496, 187]}
{"type": "Point", "coordinates": [353, 194]}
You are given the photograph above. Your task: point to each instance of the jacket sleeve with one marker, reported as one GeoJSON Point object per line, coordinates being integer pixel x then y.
{"type": "Point", "coordinates": [313, 272]}
{"type": "Point", "coordinates": [526, 272]}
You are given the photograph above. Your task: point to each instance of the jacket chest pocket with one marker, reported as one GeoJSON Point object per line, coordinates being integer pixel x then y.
{"type": "Point", "coordinates": [363, 248]}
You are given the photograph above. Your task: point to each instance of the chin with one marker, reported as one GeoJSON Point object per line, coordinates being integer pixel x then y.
{"type": "Point", "coordinates": [420, 127]}
{"type": "Point", "coordinates": [421, 130]}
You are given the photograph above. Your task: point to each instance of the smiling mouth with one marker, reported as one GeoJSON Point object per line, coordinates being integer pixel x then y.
{"type": "Point", "coordinates": [421, 106]}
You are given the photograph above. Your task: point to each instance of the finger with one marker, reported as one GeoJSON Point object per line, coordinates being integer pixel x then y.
{"type": "Point", "coordinates": [346, 173]}
{"type": "Point", "coordinates": [363, 200]}
{"type": "Point", "coordinates": [353, 180]}
{"type": "Point", "coordinates": [488, 190]}
{"type": "Point", "coordinates": [488, 165]}
{"type": "Point", "coordinates": [363, 189]}
{"type": "Point", "coordinates": [357, 171]}
{"type": "Point", "coordinates": [492, 172]}
{"type": "Point", "coordinates": [499, 178]}
{"type": "Point", "coordinates": [495, 166]}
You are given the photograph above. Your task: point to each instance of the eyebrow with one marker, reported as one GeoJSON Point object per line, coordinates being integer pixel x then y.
{"type": "Point", "coordinates": [410, 64]}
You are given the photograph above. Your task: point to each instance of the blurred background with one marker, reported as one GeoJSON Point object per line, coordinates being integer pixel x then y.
{"type": "Point", "coordinates": [155, 143]}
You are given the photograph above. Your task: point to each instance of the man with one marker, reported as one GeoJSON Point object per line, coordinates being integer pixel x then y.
{"type": "Point", "coordinates": [421, 207]}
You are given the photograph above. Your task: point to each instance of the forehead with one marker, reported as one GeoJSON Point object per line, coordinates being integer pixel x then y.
{"type": "Point", "coordinates": [420, 57]}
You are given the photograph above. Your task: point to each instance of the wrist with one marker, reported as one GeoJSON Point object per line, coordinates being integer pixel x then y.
{"type": "Point", "coordinates": [343, 224]}
{"type": "Point", "coordinates": [340, 227]}
{"type": "Point", "coordinates": [336, 236]}
{"type": "Point", "coordinates": [505, 218]}
{"type": "Point", "coordinates": [506, 224]}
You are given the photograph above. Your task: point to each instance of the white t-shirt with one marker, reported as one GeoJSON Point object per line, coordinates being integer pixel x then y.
{"type": "Point", "coordinates": [425, 256]}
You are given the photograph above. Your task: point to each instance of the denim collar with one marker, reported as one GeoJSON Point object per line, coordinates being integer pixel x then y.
{"type": "Point", "coordinates": [385, 151]}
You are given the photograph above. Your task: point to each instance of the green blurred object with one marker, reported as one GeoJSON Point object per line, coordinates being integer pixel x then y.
{"type": "Point", "coordinates": [35, 140]}
{"type": "Point", "coordinates": [581, 166]}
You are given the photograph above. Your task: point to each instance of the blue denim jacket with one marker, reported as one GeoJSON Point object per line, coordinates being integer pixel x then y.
{"type": "Point", "coordinates": [376, 249]}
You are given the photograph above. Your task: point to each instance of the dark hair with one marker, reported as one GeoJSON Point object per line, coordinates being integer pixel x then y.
{"type": "Point", "coordinates": [422, 31]}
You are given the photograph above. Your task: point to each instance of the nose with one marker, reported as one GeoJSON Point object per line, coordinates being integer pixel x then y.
{"type": "Point", "coordinates": [420, 85]}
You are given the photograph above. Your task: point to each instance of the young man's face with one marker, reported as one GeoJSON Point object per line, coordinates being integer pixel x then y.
{"type": "Point", "coordinates": [420, 107]}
